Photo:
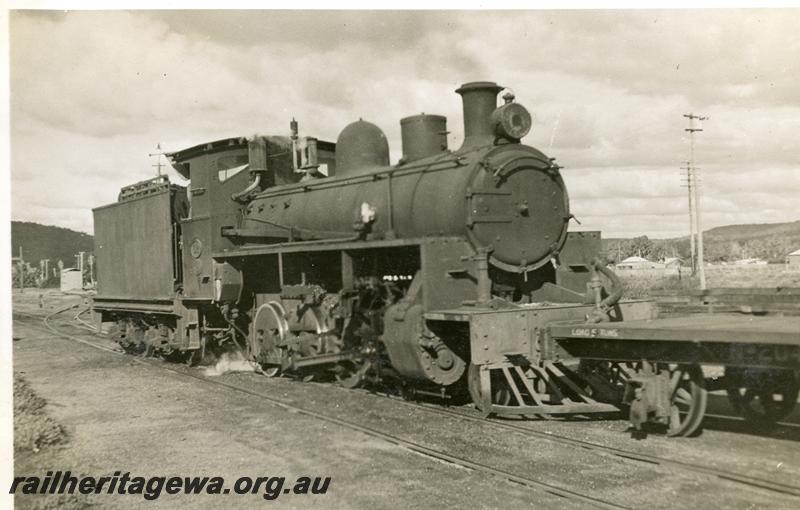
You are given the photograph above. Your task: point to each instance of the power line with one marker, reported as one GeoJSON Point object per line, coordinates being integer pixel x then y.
{"type": "Point", "coordinates": [690, 185]}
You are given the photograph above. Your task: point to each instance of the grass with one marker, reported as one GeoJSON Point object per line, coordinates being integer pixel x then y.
{"type": "Point", "coordinates": [34, 431]}
{"type": "Point", "coordinates": [641, 285]}
{"type": "Point", "coordinates": [33, 428]}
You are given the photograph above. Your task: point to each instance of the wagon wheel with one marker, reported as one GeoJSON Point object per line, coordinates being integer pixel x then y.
{"type": "Point", "coordinates": [688, 399]}
{"type": "Point", "coordinates": [268, 333]}
{"type": "Point", "coordinates": [762, 396]}
{"type": "Point", "coordinates": [501, 393]}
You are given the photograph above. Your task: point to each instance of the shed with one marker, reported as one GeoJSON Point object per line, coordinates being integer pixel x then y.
{"type": "Point", "coordinates": [793, 259]}
{"type": "Point", "coordinates": [71, 279]}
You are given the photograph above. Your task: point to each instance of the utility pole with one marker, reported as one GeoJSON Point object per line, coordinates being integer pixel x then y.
{"type": "Point", "coordinates": [91, 269]}
{"type": "Point", "coordinates": [80, 264]}
{"type": "Point", "coordinates": [694, 126]}
{"type": "Point", "coordinates": [690, 186]}
{"type": "Point", "coordinates": [158, 155]}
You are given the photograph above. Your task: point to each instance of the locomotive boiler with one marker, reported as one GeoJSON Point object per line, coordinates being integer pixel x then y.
{"type": "Point", "coordinates": [498, 194]}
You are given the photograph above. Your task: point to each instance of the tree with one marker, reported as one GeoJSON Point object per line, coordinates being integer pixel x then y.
{"type": "Point", "coordinates": [640, 246]}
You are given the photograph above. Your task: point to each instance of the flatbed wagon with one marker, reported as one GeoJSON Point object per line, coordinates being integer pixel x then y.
{"type": "Point", "coordinates": [659, 363]}
{"type": "Point", "coordinates": [551, 359]}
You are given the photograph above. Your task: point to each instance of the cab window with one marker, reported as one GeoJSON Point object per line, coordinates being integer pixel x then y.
{"type": "Point", "coordinates": [230, 165]}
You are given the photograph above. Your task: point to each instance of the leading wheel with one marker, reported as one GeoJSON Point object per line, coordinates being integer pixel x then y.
{"type": "Point", "coordinates": [762, 396]}
{"type": "Point", "coordinates": [688, 399]}
{"type": "Point", "coordinates": [501, 394]}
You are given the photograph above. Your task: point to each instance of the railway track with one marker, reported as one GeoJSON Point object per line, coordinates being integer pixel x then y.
{"type": "Point", "coordinates": [438, 455]}
{"type": "Point", "coordinates": [463, 414]}
{"type": "Point", "coordinates": [600, 449]}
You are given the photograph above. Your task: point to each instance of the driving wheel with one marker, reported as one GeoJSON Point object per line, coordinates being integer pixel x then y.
{"type": "Point", "coordinates": [268, 334]}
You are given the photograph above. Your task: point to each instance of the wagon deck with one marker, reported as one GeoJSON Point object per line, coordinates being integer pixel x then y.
{"type": "Point", "coordinates": [729, 339]}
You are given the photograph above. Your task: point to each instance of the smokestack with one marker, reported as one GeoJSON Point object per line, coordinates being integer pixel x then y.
{"type": "Point", "coordinates": [480, 100]}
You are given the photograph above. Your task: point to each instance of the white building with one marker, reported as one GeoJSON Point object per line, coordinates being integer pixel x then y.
{"type": "Point", "coordinates": [638, 263]}
{"type": "Point", "coordinates": [793, 259]}
{"type": "Point", "coordinates": [71, 279]}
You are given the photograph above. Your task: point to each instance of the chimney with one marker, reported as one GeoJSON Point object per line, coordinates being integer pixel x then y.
{"type": "Point", "coordinates": [480, 100]}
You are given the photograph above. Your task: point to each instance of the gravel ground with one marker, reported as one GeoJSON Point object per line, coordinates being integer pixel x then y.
{"type": "Point", "coordinates": [611, 479]}
{"type": "Point", "coordinates": [122, 415]}
{"type": "Point", "coordinates": [126, 416]}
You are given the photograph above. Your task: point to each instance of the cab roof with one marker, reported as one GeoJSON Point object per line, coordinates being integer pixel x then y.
{"type": "Point", "coordinates": [179, 159]}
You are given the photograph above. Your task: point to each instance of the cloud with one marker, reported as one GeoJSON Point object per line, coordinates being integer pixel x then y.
{"type": "Point", "coordinates": [110, 73]}
{"type": "Point", "coordinates": [58, 177]}
{"type": "Point", "coordinates": [93, 92]}
{"type": "Point", "coordinates": [304, 30]}
{"type": "Point", "coordinates": [708, 56]}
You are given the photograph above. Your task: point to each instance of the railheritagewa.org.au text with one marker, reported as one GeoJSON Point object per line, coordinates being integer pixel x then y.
{"type": "Point", "coordinates": [153, 487]}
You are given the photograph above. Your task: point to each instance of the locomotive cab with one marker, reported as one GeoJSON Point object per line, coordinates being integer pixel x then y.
{"type": "Point", "coordinates": [222, 175]}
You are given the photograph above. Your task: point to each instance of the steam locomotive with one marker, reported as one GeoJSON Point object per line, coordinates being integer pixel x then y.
{"type": "Point", "coordinates": [439, 273]}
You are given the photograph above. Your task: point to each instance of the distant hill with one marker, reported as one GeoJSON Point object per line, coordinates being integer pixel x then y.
{"type": "Point", "coordinates": [48, 242]}
{"type": "Point", "coordinates": [754, 231]}
{"type": "Point", "coordinates": [768, 241]}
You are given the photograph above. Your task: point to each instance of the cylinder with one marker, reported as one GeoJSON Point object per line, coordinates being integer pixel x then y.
{"type": "Point", "coordinates": [480, 100]}
{"type": "Point", "coordinates": [423, 136]}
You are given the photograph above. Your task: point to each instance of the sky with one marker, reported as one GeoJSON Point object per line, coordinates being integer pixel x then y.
{"type": "Point", "coordinates": [92, 93]}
